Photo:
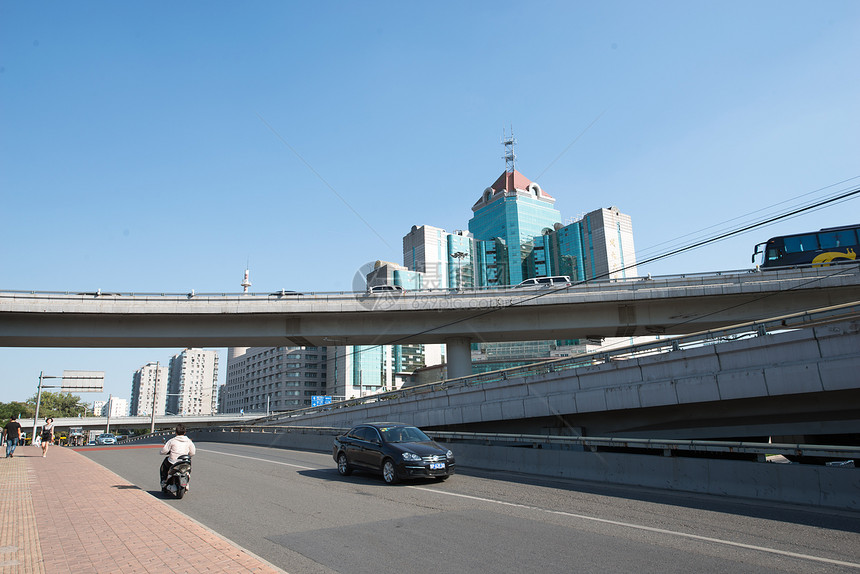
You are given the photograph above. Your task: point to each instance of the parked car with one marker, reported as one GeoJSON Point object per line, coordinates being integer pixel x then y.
{"type": "Point", "coordinates": [393, 289]}
{"type": "Point", "coordinates": [555, 281]}
{"type": "Point", "coordinates": [106, 438]}
{"type": "Point", "coordinates": [394, 450]}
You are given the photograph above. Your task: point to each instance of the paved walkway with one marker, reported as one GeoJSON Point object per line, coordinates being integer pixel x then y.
{"type": "Point", "coordinates": [66, 514]}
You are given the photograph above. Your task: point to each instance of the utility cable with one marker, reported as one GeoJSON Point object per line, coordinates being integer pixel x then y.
{"type": "Point", "coordinates": [764, 209]}
{"type": "Point", "coordinates": [841, 197]}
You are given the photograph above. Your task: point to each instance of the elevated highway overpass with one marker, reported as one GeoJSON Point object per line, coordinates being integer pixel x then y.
{"type": "Point", "coordinates": [161, 422]}
{"type": "Point", "coordinates": [616, 308]}
{"type": "Point", "coordinates": [759, 381]}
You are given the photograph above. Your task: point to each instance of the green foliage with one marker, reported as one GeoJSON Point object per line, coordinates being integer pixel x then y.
{"type": "Point", "coordinates": [57, 405]}
{"type": "Point", "coordinates": [20, 410]}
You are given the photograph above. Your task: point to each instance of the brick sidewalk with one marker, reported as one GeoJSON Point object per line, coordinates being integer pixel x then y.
{"type": "Point", "coordinates": [70, 515]}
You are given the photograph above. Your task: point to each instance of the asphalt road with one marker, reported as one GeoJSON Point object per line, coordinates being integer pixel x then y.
{"type": "Point", "coordinates": [294, 510]}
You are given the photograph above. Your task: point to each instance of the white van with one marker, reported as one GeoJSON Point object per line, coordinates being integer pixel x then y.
{"type": "Point", "coordinates": [395, 289]}
{"type": "Point", "coordinates": [555, 281]}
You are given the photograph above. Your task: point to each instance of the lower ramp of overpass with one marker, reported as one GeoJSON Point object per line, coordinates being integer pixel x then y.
{"type": "Point", "coordinates": [799, 383]}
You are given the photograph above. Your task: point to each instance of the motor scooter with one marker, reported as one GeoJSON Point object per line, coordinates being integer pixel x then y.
{"type": "Point", "coordinates": [178, 477]}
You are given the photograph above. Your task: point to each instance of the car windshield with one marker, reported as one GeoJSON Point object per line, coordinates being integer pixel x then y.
{"type": "Point", "coordinates": [403, 434]}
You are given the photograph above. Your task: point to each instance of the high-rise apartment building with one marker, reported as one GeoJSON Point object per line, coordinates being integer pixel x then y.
{"type": "Point", "coordinates": [261, 379]}
{"type": "Point", "coordinates": [598, 246]}
{"type": "Point", "coordinates": [193, 383]}
{"type": "Point", "coordinates": [148, 388]}
{"type": "Point", "coordinates": [115, 407]}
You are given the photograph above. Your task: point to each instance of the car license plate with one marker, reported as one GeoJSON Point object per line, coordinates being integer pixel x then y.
{"type": "Point", "coordinates": [437, 466]}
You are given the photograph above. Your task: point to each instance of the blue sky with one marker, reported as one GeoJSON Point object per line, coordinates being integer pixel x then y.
{"type": "Point", "coordinates": [162, 147]}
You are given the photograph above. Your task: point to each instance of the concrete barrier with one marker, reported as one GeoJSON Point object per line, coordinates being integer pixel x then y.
{"type": "Point", "coordinates": [729, 379]}
{"type": "Point", "coordinates": [299, 439]}
{"type": "Point", "coordinates": [810, 485]}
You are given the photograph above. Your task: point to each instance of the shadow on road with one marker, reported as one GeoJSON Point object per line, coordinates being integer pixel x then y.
{"type": "Point", "coordinates": [845, 520]}
{"type": "Point", "coordinates": [363, 477]}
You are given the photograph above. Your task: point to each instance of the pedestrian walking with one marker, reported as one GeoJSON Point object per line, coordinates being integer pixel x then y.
{"type": "Point", "coordinates": [12, 436]}
{"type": "Point", "coordinates": [47, 435]}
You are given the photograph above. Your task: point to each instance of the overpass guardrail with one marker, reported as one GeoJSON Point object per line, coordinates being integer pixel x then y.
{"type": "Point", "coordinates": [663, 447]}
{"type": "Point", "coordinates": [597, 285]}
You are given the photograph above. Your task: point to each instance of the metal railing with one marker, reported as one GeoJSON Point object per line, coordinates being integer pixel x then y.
{"type": "Point", "coordinates": [665, 447]}
{"type": "Point", "coordinates": [735, 276]}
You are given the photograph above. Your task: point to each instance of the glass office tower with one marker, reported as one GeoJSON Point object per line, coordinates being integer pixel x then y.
{"type": "Point", "coordinates": [515, 210]}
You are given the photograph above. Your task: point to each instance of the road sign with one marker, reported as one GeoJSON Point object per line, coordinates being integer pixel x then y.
{"type": "Point", "coordinates": [320, 400]}
{"type": "Point", "coordinates": [83, 382]}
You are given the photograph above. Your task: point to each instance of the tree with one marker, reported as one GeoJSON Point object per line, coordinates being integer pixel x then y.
{"type": "Point", "coordinates": [20, 410]}
{"type": "Point", "coordinates": [57, 405]}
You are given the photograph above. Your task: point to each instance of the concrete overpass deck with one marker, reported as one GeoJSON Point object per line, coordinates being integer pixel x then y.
{"type": "Point", "coordinates": [640, 306]}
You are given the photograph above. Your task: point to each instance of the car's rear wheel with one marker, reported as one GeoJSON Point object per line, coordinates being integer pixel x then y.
{"type": "Point", "coordinates": [389, 472]}
{"type": "Point", "coordinates": [343, 467]}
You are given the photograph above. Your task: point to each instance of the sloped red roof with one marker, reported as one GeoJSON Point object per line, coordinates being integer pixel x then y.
{"type": "Point", "coordinates": [511, 180]}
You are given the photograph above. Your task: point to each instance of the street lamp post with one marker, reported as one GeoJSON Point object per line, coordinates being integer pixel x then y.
{"type": "Point", "coordinates": [154, 394]}
{"type": "Point", "coordinates": [39, 401]}
{"type": "Point", "coordinates": [110, 400]}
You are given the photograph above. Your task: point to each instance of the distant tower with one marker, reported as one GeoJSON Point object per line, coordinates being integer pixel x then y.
{"type": "Point", "coordinates": [234, 352]}
{"type": "Point", "coordinates": [246, 282]}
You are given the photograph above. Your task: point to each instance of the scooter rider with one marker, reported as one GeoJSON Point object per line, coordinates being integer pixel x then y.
{"type": "Point", "coordinates": [174, 448]}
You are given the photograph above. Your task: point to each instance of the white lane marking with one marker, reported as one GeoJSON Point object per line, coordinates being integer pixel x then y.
{"type": "Point", "coordinates": [591, 518]}
{"type": "Point", "coordinates": [648, 528]}
{"type": "Point", "coordinates": [260, 459]}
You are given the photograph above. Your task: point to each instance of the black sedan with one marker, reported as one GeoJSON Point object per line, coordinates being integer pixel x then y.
{"type": "Point", "coordinates": [395, 450]}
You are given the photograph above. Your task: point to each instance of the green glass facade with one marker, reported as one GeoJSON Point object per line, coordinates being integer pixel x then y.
{"type": "Point", "coordinates": [460, 268]}
{"type": "Point", "coordinates": [517, 219]}
{"type": "Point", "coordinates": [368, 368]}
{"type": "Point", "coordinates": [491, 263]}
{"type": "Point", "coordinates": [559, 252]}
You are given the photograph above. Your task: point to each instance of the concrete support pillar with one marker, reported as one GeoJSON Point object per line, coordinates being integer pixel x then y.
{"type": "Point", "coordinates": [459, 356]}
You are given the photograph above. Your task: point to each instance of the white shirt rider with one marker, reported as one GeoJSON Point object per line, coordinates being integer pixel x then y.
{"type": "Point", "coordinates": [177, 446]}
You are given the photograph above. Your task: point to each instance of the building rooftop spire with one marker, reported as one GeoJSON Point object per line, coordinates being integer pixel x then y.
{"type": "Point", "coordinates": [246, 282]}
{"type": "Point", "coordinates": [510, 156]}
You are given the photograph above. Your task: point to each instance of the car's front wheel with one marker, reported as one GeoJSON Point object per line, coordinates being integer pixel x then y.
{"type": "Point", "coordinates": [389, 473]}
{"type": "Point", "coordinates": [343, 467]}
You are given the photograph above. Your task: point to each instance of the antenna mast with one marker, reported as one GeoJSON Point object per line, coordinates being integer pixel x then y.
{"type": "Point", "coordinates": [510, 156]}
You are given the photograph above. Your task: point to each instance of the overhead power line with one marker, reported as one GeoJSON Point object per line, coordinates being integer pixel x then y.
{"type": "Point", "coordinates": [840, 197]}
